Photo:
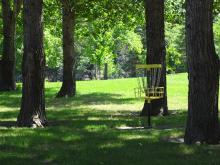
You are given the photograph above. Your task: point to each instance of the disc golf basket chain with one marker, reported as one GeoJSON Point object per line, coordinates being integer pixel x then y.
{"type": "Point", "coordinates": [149, 88]}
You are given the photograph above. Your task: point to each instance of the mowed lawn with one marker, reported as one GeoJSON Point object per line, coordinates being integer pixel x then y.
{"type": "Point", "coordinates": [86, 130]}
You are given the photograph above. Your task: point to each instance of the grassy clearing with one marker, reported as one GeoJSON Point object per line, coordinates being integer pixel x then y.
{"type": "Point", "coordinates": [83, 130]}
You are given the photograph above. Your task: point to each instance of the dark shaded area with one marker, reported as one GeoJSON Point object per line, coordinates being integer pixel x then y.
{"type": "Point", "coordinates": [10, 11]}
{"type": "Point", "coordinates": [83, 141]}
{"type": "Point", "coordinates": [154, 108]}
{"type": "Point", "coordinates": [7, 78]}
{"type": "Point", "coordinates": [8, 124]}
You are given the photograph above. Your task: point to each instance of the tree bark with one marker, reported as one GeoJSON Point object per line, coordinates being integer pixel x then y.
{"type": "Point", "coordinates": [7, 63]}
{"type": "Point", "coordinates": [32, 111]}
{"type": "Point", "coordinates": [156, 51]}
{"type": "Point", "coordinates": [68, 88]}
{"type": "Point", "coordinates": [203, 69]}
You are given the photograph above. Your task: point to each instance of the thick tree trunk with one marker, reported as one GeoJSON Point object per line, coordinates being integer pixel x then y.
{"type": "Point", "coordinates": [68, 88]}
{"type": "Point", "coordinates": [7, 63]}
{"type": "Point", "coordinates": [203, 68]}
{"type": "Point", "coordinates": [32, 111]}
{"type": "Point", "coordinates": [156, 51]}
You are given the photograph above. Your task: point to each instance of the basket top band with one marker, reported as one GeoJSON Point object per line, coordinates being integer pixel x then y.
{"type": "Point", "coordinates": [148, 66]}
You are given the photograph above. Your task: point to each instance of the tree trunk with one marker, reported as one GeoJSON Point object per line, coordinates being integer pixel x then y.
{"type": "Point", "coordinates": [32, 111]}
{"type": "Point", "coordinates": [156, 51]}
{"type": "Point", "coordinates": [203, 69]}
{"type": "Point", "coordinates": [69, 82]}
{"type": "Point", "coordinates": [106, 71]}
{"type": "Point", "coordinates": [7, 63]}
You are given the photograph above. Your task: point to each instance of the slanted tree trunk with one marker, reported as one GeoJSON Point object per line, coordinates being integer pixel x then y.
{"type": "Point", "coordinates": [203, 69]}
{"type": "Point", "coordinates": [156, 51]}
{"type": "Point", "coordinates": [7, 63]}
{"type": "Point", "coordinates": [69, 82]}
{"type": "Point", "coordinates": [32, 111]}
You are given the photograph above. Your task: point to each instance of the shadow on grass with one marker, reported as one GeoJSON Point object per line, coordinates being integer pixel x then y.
{"type": "Point", "coordinates": [8, 124]}
{"type": "Point", "coordinates": [13, 99]}
{"type": "Point", "coordinates": [82, 117]}
{"type": "Point", "coordinates": [92, 143]}
{"type": "Point", "coordinates": [90, 99]}
{"type": "Point", "coordinates": [85, 116]}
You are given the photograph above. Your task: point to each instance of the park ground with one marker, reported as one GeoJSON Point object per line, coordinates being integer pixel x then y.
{"type": "Point", "coordinates": [87, 129]}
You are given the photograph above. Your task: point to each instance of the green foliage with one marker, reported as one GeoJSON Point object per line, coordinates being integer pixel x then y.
{"type": "Point", "coordinates": [216, 7]}
{"type": "Point", "coordinates": [53, 33]}
{"type": "Point", "coordinates": [106, 47]}
{"type": "Point", "coordinates": [176, 56]}
{"type": "Point", "coordinates": [53, 49]}
{"type": "Point", "coordinates": [129, 50]}
{"type": "Point", "coordinates": [175, 11]}
{"type": "Point", "coordinates": [217, 35]}
{"type": "Point", "coordinates": [134, 41]}
{"type": "Point", "coordinates": [110, 12]}
{"type": "Point", "coordinates": [109, 27]}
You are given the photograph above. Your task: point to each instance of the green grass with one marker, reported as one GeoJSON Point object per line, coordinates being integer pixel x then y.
{"type": "Point", "coordinates": [83, 130]}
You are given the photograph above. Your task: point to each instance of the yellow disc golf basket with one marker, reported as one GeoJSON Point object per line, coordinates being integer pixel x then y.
{"type": "Point", "coordinates": [149, 88]}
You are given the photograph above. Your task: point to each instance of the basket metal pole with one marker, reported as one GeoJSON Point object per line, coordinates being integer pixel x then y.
{"type": "Point", "coordinates": [149, 113]}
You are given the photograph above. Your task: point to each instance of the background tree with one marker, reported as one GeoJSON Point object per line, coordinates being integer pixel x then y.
{"type": "Point", "coordinates": [69, 83]}
{"type": "Point", "coordinates": [32, 111]}
{"type": "Point", "coordinates": [156, 51]}
{"type": "Point", "coordinates": [109, 28]}
{"type": "Point", "coordinates": [10, 11]}
{"type": "Point", "coordinates": [203, 69]}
